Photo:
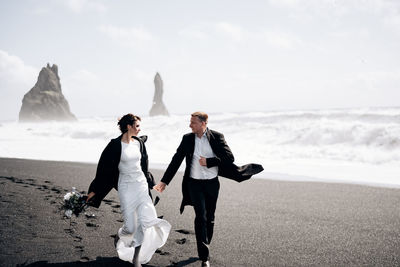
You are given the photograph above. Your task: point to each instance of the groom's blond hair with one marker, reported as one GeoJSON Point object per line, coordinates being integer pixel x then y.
{"type": "Point", "coordinates": [201, 115]}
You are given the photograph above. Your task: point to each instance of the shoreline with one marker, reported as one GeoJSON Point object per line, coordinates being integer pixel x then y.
{"type": "Point", "coordinates": [258, 222]}
{"type": "Point", "coordinates": [269, 176]}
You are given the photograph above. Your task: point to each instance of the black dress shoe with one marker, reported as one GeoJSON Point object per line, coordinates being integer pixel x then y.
{"type": "Point", "coordinates": [205, 264]}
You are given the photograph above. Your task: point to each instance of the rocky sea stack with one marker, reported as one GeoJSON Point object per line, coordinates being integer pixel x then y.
{"type": "Point", "coordinates": [45, 100]}
{"type": "Point", "coordinates": [158, 107]}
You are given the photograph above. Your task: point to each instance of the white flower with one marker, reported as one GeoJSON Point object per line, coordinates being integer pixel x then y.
{"type": "Point", "coordinates": [68, 213]}
{"type": "Point", "coordinates": [67, 196]}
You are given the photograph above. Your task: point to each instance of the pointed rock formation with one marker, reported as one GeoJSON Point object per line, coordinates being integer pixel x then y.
{"type": "Point", "coordinates": [45, 100]}
{"type": "Point", "coordinates": [158, 107]}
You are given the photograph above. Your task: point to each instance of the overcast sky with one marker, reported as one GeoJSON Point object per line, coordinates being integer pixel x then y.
{"type": "Point", "coordinates": [215, 56]}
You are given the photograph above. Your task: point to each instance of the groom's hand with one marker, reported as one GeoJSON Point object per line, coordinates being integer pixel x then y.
{"type": "Point", "coordinates": [203, 161]}
{"type": "Point", "coordinates": [160, 187]}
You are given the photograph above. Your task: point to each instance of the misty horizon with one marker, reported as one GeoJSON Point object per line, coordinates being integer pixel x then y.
{"type": "Point", "coordinates": [219, 57]}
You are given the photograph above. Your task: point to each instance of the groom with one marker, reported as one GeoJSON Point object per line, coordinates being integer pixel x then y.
{"type": "Point", "coordinates": [207, 156]}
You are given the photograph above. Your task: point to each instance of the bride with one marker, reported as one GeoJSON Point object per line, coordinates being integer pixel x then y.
{"type": "Point", "coordinates": [123, 165]}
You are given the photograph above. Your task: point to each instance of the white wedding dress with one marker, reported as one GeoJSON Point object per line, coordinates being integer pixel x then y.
{"type": "Point", "coordinates": [141, 225]}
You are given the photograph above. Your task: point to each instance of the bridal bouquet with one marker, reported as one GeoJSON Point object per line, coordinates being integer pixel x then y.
{"type": "Point", "coordinates": [74, 203]}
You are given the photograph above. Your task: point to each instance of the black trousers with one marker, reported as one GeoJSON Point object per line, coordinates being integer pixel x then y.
{"type": "Point", "coordinates": [204, 195]}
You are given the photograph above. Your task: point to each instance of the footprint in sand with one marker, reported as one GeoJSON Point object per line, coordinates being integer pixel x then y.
{"type": "Point", "coordinates": [173, 264]}
{"type": "Point", "coordinates": [77, 238]}
{"type": "Point", "coordinates": [92, 225]}
{"type": "Point", "coordinates": [181, 241]}
{"type": "Point", "coordinates": [90, 216]}
{"type": "Point", "coordinates": [69, 231]}
{"type": "Point", "coordinates": [84, 259]}
{"type": "Point", "coordinates": [57, 190]}
{"type": "Point", "coordinates": [185, 232]}
{"type": "Point", "coordinates": [108, 202]}
{"type": "Point", "coordinates": [80, 248]}
{"type": "Point", "coordinates": [162, 253]}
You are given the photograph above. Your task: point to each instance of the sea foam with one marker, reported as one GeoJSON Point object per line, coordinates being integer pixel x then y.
{"type": "Point", "coordinates": [346, 145]}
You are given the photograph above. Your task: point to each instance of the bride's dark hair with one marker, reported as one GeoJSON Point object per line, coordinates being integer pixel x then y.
{"type": "Point", "coordinates": [128, 119]}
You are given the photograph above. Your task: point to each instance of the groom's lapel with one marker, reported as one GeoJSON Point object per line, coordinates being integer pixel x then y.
{"type": "Point", "coordinates": [191, 144]}
{"type": "Point", "coordinates": [211, 140]}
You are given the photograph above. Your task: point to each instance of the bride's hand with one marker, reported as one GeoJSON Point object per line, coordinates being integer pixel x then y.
{"type": "Point", "coordinates": [160, 187]}
{"type": "Point", "coordinates": [90, 195]}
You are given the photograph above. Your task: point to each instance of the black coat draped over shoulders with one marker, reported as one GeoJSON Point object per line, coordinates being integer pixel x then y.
{"type": "Point", "coordinates": [107, 172]}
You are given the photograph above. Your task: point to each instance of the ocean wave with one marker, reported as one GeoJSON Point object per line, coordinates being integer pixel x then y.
{"type": "Point", "coordinates": [313, 139]}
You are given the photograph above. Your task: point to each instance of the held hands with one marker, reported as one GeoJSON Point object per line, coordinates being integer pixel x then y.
{"type": "Point", "coordinates": [203, 161]}
{"type": "Point", "coordinates": [160, 187]}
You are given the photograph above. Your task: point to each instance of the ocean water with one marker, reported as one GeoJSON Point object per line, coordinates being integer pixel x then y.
{"type": "Point", "coordinates": [348, 145]}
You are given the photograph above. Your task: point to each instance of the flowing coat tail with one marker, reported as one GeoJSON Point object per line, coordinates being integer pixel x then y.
{"type": "Point", "coordinates": [239, 173]}
{"type": "Point", "coordinates": [227, 170]}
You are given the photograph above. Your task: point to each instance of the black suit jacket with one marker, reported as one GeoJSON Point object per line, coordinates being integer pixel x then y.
{"type": "Point", "coordinates": [223, 159]}
{"type": "Point", "coordinates": [107, 172]}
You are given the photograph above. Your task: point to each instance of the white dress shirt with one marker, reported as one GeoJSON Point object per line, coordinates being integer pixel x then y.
{"type": "Point", "coordinates": [202, 148]}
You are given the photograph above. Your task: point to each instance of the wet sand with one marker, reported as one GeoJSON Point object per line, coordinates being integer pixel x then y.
{"type": "Point", "coordinates": [258, 222]}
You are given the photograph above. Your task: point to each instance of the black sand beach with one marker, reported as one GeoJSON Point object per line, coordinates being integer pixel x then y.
{"type": "Point", "coordinates": [258, 222]}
